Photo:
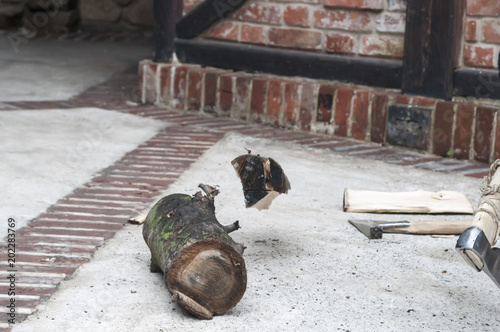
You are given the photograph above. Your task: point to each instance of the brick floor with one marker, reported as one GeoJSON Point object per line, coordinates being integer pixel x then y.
{"type": "Point", "coordinates": [67, 235]}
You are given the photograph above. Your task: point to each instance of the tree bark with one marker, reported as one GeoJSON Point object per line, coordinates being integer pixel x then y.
{"type": "Point", "coordinates": [203, 267]}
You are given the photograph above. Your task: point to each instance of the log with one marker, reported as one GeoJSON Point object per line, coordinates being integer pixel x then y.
{"type": "Point", "coordinates": [203, 267]}
{"type": "Point", "coordinates": [406, 202]}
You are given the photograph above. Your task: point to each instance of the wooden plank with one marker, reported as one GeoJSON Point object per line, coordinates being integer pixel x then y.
{"type": "Point", "coordinates": [251, 58]}
{"type": "Point", "coordinates": [166, 14]}
{"type": "Point", "coordinates": [432, 46]}
{"type": "Point", "coordinates": [204, 15]}
{"type": "Point", "coordinates": [406, 202]}
{"type": "Point", "coordinates": [477, 83]}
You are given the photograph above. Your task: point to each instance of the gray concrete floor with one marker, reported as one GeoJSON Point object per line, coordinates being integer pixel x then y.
{"type": "Point", "coordinates": [47, 154]}
{"type": "Point", "coordinates": [308, 269]}
{"type": "Point", "coordinates": [52, 69]}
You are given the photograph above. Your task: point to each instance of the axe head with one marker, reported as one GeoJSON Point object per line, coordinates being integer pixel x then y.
{"type": "Point", "coordinates": [474, 247]}
{"type": "Point", "coordinates": [373, 229]}
{"type": "Point", "coordinates": [368, 227]}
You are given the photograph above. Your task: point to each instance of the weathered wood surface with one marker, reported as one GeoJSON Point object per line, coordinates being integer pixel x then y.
{"type": "Point", "coordinates": [433, 39]}
{"type": "Point", "coordinates": [203, 267]}
{"type": "Point", "coordinates": [478, 83]}
{"type": "Point", "coordinates": [406, 202]}
{"type": "Point", "coordinates": [166, 14]}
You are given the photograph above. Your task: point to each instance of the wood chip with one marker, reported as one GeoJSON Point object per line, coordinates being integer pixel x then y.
{"type": "Point", "coordinates": [137, 220]}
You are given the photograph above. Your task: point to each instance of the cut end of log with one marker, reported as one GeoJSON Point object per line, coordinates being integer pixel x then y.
{"type": "Point", "coordinates": [345, 200]}
{"type": "Point", "coordinates": [210, 275]}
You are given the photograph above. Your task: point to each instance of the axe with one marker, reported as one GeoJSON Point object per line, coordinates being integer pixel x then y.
{"type": "Point", "coordinates": [475, 244]}
{"type": "Point", "coordinates": [374, 229]}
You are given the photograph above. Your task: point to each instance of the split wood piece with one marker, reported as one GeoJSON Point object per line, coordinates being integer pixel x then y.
{"type": "Point", "coordinates": [203, 267]}
{"type": "Point", "coordinates": [138, 219]}
{"type": "Point", "coordinates": [406, 202]}
{"type": "Point", "coordinates": [262, 179]}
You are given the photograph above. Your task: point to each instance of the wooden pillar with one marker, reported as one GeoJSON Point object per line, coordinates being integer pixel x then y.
{"type": "Point", "coordinates": [166, 15]}
{"type": "Point", "coordinates": [433, 39]}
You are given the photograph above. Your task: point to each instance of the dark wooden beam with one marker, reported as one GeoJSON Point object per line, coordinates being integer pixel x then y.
{"type": "Point", "coordinates": [256, 59]}
{"type": "Point", "coordinates": [477, 83]}
{"type": "Point", "coordinates": [166, 15]}
{"type": "Point", "coordinates": [432, 46]}
{"type": "Point", "coordinates": [204, 15]}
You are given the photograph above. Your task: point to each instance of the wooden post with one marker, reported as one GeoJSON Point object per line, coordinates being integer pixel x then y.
{"type": "Point", "coordinates": [207, 13]}
{"type": "Point", "coordinates": [433, 38]}
{"type": "Point", "coordinates": [166, 15]}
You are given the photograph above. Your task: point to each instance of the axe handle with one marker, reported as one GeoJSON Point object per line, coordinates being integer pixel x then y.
{"type": "Point", "coordinates": [438, 227]}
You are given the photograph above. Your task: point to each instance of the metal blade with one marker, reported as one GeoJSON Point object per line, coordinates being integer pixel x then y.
{"type": "Point", "coordinates": [475, 248]}
{"type": "Point", "coordinates": [373, 229]}
{"type": "Point", "coordinates": [365, 227]}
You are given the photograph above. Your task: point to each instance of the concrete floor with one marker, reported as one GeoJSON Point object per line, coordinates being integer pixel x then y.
{"type": "Point", "coordinates": [47, 154]}
{"type": "Point", "coordinates": [308, 269]}
{"type": "Point", "coordinates": [52, 69]}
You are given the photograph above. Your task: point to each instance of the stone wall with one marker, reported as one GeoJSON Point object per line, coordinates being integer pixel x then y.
{"type": "Point", "coordinates": [119, 15]}
{"type": "Point", "coordinates": [63, 16]}
{"type": "Point", "coordinates": [11, 13]}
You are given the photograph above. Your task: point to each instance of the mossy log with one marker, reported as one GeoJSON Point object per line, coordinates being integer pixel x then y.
{"type": "Point", "coordinates": [203, 267]}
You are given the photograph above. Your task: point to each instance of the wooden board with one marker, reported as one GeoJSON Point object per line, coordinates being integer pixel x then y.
{"type": "Point", "coordinates": [478, 83]}
{"type": "Point", "coordinates": [433, 38]}
{"type": "Point", "coordinates": [406, 202]}
{"type": "Point", "coordinates": [166, 14]}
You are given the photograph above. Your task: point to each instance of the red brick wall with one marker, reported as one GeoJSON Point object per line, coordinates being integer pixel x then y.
{"type": "Point", "coordinates": [482, 34]}
{"type": "Point", "coordinates": [354, 27]}
{"type": "Point", "coordinates": [351, 27]}
{"type": "Point", "coordinates": [462, 129]}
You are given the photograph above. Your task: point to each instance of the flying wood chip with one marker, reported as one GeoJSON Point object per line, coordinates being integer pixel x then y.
{"type": "Point", "coordinates": [262, 178]}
